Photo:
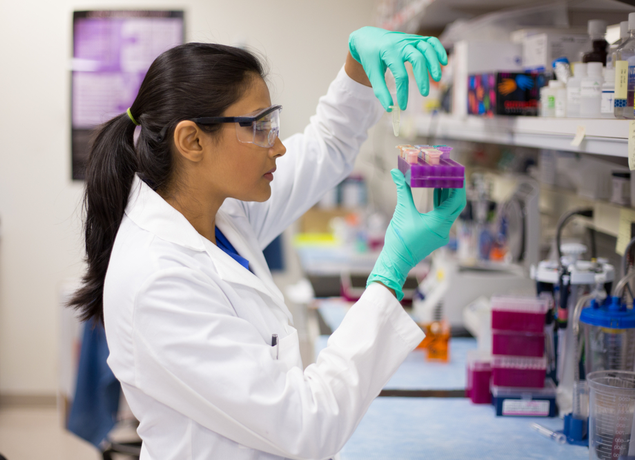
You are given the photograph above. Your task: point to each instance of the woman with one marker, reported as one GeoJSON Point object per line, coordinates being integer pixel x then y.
{"type": "Point", "coordinates": [198, 333]}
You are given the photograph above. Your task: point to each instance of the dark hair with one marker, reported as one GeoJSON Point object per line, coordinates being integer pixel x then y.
{"type": "Point", "coordinates": [188, 81]}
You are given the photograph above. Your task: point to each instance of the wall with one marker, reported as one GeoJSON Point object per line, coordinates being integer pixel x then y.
{"type": "Point", "coordinates": [40, 207]}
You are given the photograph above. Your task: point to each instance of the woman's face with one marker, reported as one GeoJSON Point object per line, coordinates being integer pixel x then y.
{"type": "Point", "coordinates": [236, 169]}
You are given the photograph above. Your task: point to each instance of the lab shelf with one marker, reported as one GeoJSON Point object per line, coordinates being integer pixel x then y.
{"type": "Point", "coordinates": [602, 136]}
{"type": "Point", "coordinates": [416, 15]}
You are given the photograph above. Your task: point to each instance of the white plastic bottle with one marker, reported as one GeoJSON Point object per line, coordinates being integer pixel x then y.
{"type": "Point", "coordinates": [608, 94]}
{"type": "Point", "coordinates": [548, 98]}
{"type": "Point", "coordinates": [573, 89]}
{"type": "Point", "coordinates": [561, 101]}
{"type": "Point", "coordinates": [591, 91]}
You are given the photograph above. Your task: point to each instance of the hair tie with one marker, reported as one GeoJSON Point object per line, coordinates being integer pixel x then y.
{"type": "Point", "coordinates": [131, 117]}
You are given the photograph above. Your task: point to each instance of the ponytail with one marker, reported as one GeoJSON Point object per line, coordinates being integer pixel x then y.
{"type": "Point", "coordinates": [187, 81]}
{"type": "Point", "coordinates": [109, 174]}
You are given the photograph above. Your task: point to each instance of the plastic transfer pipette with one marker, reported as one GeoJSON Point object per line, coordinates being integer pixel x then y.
{"type": "Point", "coordinates": [543, 430]}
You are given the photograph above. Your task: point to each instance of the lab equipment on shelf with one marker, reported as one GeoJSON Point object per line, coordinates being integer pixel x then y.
{"type": "Point", "coordinates": [612, 406]}
{"type": "Point", "coordinates": [591, 91]}
{"type": "Point", "coordinates": [607, 105]}
{"type": "Point", "coordinates": [623, 64]}
{"type": "Point", "coordinates": [597, 33]}
{"type": "Point", "coordinates": [526, 402]}
{"type": "Point", "coordinates": [430, 166]}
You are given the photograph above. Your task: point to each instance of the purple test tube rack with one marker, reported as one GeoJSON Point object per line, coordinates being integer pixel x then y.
{"type": "Point", "coordinates": [447, 174]}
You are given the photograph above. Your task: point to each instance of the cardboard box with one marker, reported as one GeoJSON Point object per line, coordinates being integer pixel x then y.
{"type": "Point", "coordinates": [481, 56]}
{"type": "Point", "coordinates": [504, 93]}
{"type": "Point", "coordinates": [541, 46]}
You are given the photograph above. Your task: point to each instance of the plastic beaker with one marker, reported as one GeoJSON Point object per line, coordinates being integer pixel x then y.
{"type": "Point", "coordinates": [612, 405]}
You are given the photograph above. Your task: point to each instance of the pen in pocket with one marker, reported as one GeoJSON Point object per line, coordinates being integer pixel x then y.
{"type": "Point", "coordinates": [274, 343]}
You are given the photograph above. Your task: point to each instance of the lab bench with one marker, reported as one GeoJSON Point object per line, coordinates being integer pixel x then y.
{"type": "Point", "coordinates": [451, 428]}
{"type": "Point", "coordinates": [417, 427]}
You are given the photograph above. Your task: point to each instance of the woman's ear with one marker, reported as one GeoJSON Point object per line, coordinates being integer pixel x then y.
{"type": "Point", "coordinates": [188, 140]}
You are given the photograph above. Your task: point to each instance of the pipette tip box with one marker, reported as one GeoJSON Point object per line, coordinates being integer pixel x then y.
{"type": "Point", "coordinates": [479, 374]}
{"type": "Point", "coordinates": [518, 343]}
{"type": "Point", "coordinates": [519, 371]}
{"type": "Point", "coordinates": [430, 167]}
{"type": "Point", "coordinates": [525, 314]}
{"type": "Point", "coordinates": [525, 402]}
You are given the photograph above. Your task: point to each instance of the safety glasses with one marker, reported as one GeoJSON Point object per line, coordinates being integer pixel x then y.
{"type": "Point", "coordinates": [261, 129]}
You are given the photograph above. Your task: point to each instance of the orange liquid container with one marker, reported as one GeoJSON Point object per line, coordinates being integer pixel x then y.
{"type": "Point", "coordinates": [437, 341]}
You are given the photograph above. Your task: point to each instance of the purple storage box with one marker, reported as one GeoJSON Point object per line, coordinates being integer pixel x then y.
{"type": "Point", "coordinates": [517, 343]}
{"type": "Point", "coordinates": [519, 371]}
{"type": "Point", "coordinates": [447, 174]}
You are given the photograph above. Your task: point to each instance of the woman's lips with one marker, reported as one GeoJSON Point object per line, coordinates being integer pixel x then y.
{"type": "Point", "coordinates": [269, 174]}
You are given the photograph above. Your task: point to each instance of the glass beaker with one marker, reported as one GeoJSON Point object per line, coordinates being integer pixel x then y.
{"type": "Point", "coordinates": [612, 405]}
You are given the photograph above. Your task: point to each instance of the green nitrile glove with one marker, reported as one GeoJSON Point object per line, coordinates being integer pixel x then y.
{"type": "Point", "coordinates": [377, 49]}
{"type": "Point", "coordinates": [411, 235]}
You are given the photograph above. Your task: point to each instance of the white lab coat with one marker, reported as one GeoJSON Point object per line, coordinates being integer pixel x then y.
{"type": "Point", "coordinates": [189, 329]}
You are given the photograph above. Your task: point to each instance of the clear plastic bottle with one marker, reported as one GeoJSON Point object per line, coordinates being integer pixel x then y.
{"type": "Point", "coordinates": [548, 96]}
{"type": "Point", "coordinates": [597, 33]}
{"type": "Point", "coordinates": [624, 64]}
{"type": "Point", "coordinates": [624, 35]}
{"type": "Point", "coordinates": [573, 89]}
{"type": "Point", "coordinates": [591, 91]}
{"type": "Point", "coordinates": [608, 94]}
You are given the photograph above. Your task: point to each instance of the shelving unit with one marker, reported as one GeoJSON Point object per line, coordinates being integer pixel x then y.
{"type": "Point", "coordinates": [602, 136]}
{"type": "Point", "coordinates": [416, 15]}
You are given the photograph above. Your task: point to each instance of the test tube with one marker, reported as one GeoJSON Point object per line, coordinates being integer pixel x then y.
{"type": "Point", "coordinates": [412, 155]}
{"type": "Point", "coordinates": [445, 150]}
{"type": "Point", "coordinates": [433, 156]}
{"type": "Point", "coordinates": [396, 119]}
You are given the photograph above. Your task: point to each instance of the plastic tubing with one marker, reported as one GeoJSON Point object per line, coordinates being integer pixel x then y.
{"type": "Point", "coordinates": [563, 220]}
{"type": "Point", "coordinates": [618, 290]}
{"type": "Point", "coordinates": [626, 256]}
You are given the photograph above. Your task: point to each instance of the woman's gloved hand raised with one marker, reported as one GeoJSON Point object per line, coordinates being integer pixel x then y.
{"type": "Point", "coordinates": [412, 235]}
{"type": "Point", "coordinates": [377, 49]}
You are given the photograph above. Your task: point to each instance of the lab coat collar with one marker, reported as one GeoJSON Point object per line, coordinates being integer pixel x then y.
{"type": "Point", "coordinates": [152, 213]}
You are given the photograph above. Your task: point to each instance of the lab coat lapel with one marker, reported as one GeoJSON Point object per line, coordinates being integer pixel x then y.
{"type": "Point", "coordinates": [260, 279]}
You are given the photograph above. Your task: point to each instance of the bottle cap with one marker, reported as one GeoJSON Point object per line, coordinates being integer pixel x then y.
{"type": "Point", "coordinates": [594, 69]}
{"type": "Point", "coordinates": [580, 69]}
{"type": "Point", "coordinates": [631, 21]}
{"type": "Point", "coordinates": [597, 27]}
{"type": "Point", "coordinates": [623, 29]}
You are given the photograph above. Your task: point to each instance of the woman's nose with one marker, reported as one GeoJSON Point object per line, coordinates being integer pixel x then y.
{"type": "Point", "coordinates": [278, 149]}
